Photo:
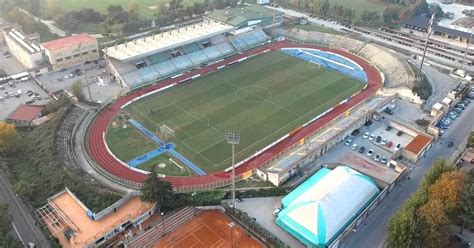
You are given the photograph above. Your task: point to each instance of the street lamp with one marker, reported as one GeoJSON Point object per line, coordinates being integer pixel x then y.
{"type": "Point", "coordinates": [233, 138]}
{"type": "Point", "coordinates": [231, 225]}
{"type": "Point", "coordinates": [84, 71]}
{"type": "Point", "coordinates": [194, 203]}
{"type": "Point", "coordinates": [163, 223]}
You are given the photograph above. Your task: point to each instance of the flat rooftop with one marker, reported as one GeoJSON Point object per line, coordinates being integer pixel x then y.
{"type": "Point", "coordinates": [149, 45]}
{"type": "Point", "coordinates": [71, 41]}
{"type": "Point", "coordinates": [23, 41]}
{"type": "Point", "coordinates": [87, 231]}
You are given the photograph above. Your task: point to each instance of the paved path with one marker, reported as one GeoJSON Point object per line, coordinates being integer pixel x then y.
{"type": "Point", "coordinates": [52, 28]}
{"type": "Point", "coordinates": [374, 231]}
{"type": "Point", "coordinates": [24, 224]}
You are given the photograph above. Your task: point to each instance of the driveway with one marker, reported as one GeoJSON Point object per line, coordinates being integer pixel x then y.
{"type": "Point", "coordinates": [262, 210]}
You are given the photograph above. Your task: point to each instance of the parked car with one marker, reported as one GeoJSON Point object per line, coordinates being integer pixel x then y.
{"type": "Point", "coordinates": [399, 133]}
{"type": "Point", "coordinates": [371, 137]}
{"type": "Point", "coordinates": [362, 149]}
{"type": "Point", "coordinates": [354, 146]}
{"type": "Point", "coordinates": [378, 139]}
{"type": "Point", "coordinates": [383, 160]}
{"type": "Point", "coordinates": [276, 211]}
{"type": "Point", "coordinates": [377, 158]}
{"type": "Point", "coordinates": [383, 142]}
{"type": "Point", "coordinates": [368, 123]}
{"type": "Point", "coordinates": [390, 144]}
{"type": "Point", "coordinates": [450, 144]}
{"type": "Point", "coordinates": [348, 142]}
{"type": "Point", "coordinates": [388, 128]}
{"type": "Point", "coordinates": [366, 135]}
{"type": "Point", "coordinates": [355, 132]}
{"type": "Point", "coordinates": [398, 147]}
{"type": "Point", "coordinates": [370, 152]}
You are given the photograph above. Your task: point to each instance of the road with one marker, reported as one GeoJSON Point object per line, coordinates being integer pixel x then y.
{"type": "Point", "coordinates": [313, 20]}
{"type": "Point", "coordinates": [23, 221]}
{"type": "Point", "coordinates": [374, 232]}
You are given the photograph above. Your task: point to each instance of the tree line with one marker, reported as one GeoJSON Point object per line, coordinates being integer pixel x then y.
{"type": "Point", "coordinates": [445, 197]}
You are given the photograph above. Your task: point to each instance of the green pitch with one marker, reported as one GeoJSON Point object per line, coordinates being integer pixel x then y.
{"type": "Point", "coordinates": [264, 98]}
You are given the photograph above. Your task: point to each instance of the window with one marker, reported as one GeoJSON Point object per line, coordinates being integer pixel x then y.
{"type": "Point", "coordinates": [68, 57]}
{"type": "Point", "coordinates": [76, 55]}
{"type": "Point", "coordinates": [59, 60]}
{"type": "Point", "coordinates": [94, 51]}
{"type": "Point", "coordinates": [85, 53]}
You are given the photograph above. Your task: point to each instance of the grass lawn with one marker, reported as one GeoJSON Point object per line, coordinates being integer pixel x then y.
{"type": "Point", "coordinates": [264, 98]}
{"type": "Point", "coordinates": [101, 5]}
{"type": "Point", "coordinates": [170, 169]}
{"type": "Point", "coordinates": [128, 143]}
{"type": "Point", "coordinates": [320, 29]}
{"type": "Point", "coordinates": [91, 28]}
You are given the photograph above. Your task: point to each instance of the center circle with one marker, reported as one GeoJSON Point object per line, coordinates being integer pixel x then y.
{"type": "Point", "coordinates": [253, 94]}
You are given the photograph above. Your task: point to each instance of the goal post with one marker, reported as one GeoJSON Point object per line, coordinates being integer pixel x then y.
{"type": "Point", "coordinates": [166, 132]}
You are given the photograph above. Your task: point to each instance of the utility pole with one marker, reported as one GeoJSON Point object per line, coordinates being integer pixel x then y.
{"type": "Point", "coordinates": [84, 72]}
{"type": "Point", "coordinates": [430, 29]}
{"type": "Point", "coordinates": [233, 138]}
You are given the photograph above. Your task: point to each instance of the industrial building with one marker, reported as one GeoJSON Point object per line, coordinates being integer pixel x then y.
{"type": "Point", "coordinates": [320, 209]}
{"type": "Point", "coordinates": [243, 18]}
{"type": "Point", "coordinates": [72, 50]}
{"type": "Point", "coordinates": [74, 225]}
{"type": "Point", "coordinates": [22, 48]}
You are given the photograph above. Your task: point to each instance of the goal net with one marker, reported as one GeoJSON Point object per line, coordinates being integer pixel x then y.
{"type": "Point", "coordinates": [166, 132]}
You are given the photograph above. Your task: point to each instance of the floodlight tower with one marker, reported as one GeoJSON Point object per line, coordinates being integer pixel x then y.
{"type": "Point", "coordinates": [430, 30]}
{"type": "Point", "coordinates": [233, 138]}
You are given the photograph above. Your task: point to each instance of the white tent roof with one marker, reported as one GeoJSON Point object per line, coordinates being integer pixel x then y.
{"type": "Point", "coordinates": [322, 206]}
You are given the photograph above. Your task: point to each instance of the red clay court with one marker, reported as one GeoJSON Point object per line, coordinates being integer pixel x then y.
{"type": "Point", "coordinates": [208, 229]}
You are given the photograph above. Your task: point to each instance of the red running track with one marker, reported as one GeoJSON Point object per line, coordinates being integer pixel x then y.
{"type": "Point", "coordinates": [98, 151]}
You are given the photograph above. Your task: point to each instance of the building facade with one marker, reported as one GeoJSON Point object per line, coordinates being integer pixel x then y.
{"type": "Point", "coordinates": [27, 52]}
{"type": "Point", "coordinates": [71, 51]}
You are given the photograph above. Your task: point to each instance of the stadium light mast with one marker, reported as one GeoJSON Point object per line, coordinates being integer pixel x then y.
{"type": "Point", "coordinates": [430, 30]}
{"type": "Point", "coordinates": [84, 71]}
{"type": "Point", "coordinates": [233, 138]}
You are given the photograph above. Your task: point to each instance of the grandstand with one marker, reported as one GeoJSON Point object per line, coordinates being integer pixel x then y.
{"type": "Point", "coordinates": [148, 59]}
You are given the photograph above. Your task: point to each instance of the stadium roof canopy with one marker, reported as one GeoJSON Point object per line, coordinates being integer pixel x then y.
{"type": "Point", "coordinates": [149, 45]}
{"type": "Point", "coordinates": [244, 16]}
{"type": "Point", "coordinates": [319, 209]}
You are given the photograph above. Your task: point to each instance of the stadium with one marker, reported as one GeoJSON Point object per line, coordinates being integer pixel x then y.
{"type": "Point", "coordinates": [189, 86]}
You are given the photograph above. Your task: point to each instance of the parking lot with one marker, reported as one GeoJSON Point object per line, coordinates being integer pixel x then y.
{"type": "Point", "coordinates": [17, 95]}
{"type": "Point", "coordinates": [64, 79]}
{"type": "Point", "coordinates": [8, 63]}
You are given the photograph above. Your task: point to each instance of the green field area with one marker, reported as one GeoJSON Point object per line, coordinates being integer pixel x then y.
{"type": "Point", "coordinates": [171, 169]}
{"type": "Point", "coordinates": [128, 143]}
{"type": "Point", "coordinates": [264, 98]}
{"type": "Point", "coordinates": [101, 5]}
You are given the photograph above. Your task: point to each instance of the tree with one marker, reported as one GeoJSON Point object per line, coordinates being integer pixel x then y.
{"type": "Point", "coordinates": [76, 89]}
{"type": "Point", "coordinates": [470, 140]}
{"type": "Point", "coordinates": [467, 207]}
{"type": "Point", "coordinates": [160, 7]}
{"type": "Point", "coordinates": [390, 15]}
{"type": "Point", "coordinates": [134, 11]}
{"type": "Point", "coordinates": [5, 223]}
{"type": "Point", "coordinates": [448, 189]}
{"type": "Point", "coordinates": [436, 231]}
{"type": "Point", "coordinates": [198, 9]}
{"type": "Point", "coordinates": [53, 7]}
{"type": "Point", "coordinates": [157, 190]}
{"type": "Point", "coordinates": [10, 141]}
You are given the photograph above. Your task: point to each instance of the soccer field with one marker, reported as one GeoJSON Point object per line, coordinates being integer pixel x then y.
{"type": "Point", "coordinates": [264, 98]}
